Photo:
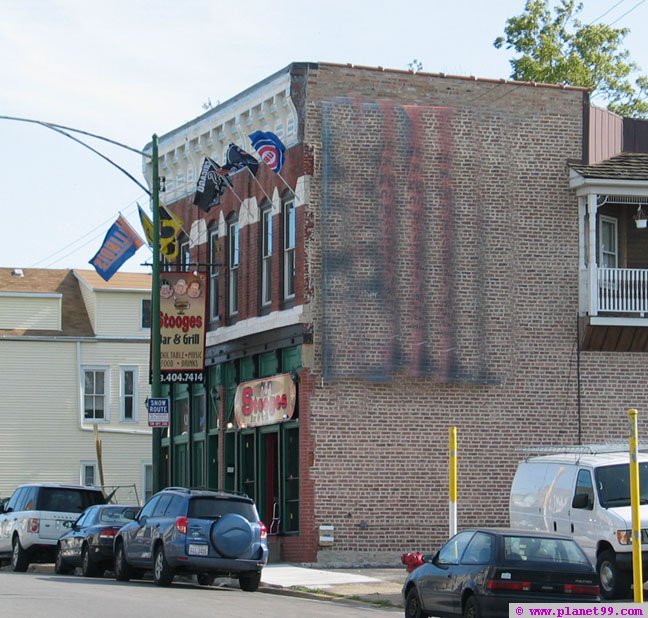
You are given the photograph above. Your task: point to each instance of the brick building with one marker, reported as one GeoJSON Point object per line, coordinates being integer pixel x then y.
{"type": "Point", "coordinates": [421, 262]}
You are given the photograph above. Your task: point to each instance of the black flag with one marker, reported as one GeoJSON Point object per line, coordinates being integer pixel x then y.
{"type": "Point", "coordinates": [211, 185]}
{"type": "Point", "coordinates": [237, 159]}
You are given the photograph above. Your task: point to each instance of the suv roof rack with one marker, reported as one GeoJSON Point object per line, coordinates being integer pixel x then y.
{"type": "Point", "coordinates": [178, 489]}
{"type": "Point", "coordinates": [581, 449]}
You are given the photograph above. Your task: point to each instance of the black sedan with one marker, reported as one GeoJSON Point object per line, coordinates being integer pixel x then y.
{"type": "Point", "coordinates": [89, 542]}
{"type": "Point", "coordinates": [479, 571]}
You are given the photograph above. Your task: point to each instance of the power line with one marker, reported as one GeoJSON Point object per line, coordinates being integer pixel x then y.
{"type": "Point", "coordinates": [627, 12]}
{"type": "Point", "coordinates": [606, 12]}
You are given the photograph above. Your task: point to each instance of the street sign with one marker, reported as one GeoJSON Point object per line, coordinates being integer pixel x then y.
{"type": "Point", "coordinates": [158, 411]}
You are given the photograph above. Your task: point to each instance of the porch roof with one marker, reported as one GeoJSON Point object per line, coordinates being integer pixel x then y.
{"type": "Point", "coordinates": [625, 166]}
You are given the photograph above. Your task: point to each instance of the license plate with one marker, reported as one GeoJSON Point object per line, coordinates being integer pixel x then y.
{"type": "Point", "coordinates": [198, 550]}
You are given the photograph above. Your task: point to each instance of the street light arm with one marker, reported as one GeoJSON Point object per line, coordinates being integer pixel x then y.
{"type": "Point", "coordinates": [59, 129]}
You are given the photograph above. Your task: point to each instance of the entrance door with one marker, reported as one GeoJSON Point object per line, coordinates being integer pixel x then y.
{"type": "Point", "coordinates": [269, 481]}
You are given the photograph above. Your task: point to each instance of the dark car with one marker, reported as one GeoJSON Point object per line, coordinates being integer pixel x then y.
{"type": "Point", "coordinates": [89, 542]}
{"type": "Point", "coordinates": [207, 533]}
{"type": "Point", "coordinates": [479, 571]}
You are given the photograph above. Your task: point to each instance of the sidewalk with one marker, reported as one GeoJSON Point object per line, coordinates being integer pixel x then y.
{"type": "Point", "coordinates": [376, 586]}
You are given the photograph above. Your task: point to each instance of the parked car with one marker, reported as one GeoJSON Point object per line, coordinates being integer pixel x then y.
{"type": "Point", "coordinates": [585, 494]}
{"type": "Point", "coordinates": [479, 571]}
{"type": "Point", "coordinates": [206, 533]}
{"type": "Point", "coordinates": [33, 520]}
{"type": "Point", "coordinates": [89, 541]}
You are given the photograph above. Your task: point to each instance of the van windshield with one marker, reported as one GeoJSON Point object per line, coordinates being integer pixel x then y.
{"type": "Point", "coordinates": [613, 484]}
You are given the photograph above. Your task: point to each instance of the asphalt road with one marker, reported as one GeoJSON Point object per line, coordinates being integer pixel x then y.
{"type": "Point", "coordinates": [34, 595]}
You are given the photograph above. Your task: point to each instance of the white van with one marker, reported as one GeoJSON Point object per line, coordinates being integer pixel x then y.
{"type": "Point", "coordinates": [585, 495]}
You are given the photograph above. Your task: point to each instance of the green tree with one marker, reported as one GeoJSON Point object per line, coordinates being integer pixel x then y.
{"type": "Point", "coordinates": [553, 46]}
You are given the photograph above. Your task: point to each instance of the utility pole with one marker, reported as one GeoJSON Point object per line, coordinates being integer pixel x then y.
{"type": "Point", "coordinates": [156, 389]}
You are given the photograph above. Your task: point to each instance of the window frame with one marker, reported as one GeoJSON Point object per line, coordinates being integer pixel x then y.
{"type": "Point", "coordinates": [145, 315]}
{"type": "Point", "coordinates": [233, 262]}
{"type": "Point", "coordinates": [289, 248]}
{"type": "Point", "coordinates": [214, 274]}
{"type": "Point", "coordinates": [83, 467]}
{"type": "Point", "coordinates": [614, 251]}
{"type": "Point", "coordinates": [134, 395]}
{"type": "Point", "coordinates": [266, 255]}
{"type": "Point", "coordinates": [106, 393]}
{"type": "Point", "coordinates": [184, 254]}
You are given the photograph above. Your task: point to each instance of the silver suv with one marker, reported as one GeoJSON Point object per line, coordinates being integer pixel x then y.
{"type": "Point", "coordinates": [32, 521]}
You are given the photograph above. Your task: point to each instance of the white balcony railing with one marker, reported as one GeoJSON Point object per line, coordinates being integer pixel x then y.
{"type": "Point", "coordinates": [623, 290]}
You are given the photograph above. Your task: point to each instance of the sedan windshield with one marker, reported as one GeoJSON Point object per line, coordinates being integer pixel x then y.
{"type": "Point", "coordinates": [613, 484]}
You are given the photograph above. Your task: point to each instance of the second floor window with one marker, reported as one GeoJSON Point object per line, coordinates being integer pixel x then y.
{"type": "Point", "coordinates": [289, 244]}
{"type": "Point", "coordinates": [128, 393]}
{"type": "Point", "coordinates": [146, 313]}
{"type": "Point", "coordinates": [94, 394]}
{"type": "Point", "coordinates": [184, 258]}
{"type": "Point", "coordinates": [266, 257]}
{"type": "Point", "coordinates": [214, 270]}
{"type": "Point", "coordinates": [234, 257]}
{"type": "Point", "coordinates": [608, 245]}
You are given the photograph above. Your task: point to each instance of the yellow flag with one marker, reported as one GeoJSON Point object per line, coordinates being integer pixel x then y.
{"type": "Point", "coordinates": [170, 227]}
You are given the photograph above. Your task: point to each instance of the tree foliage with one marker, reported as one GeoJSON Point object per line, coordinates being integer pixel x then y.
{"type": "Point", "coordinates": [555, 47]}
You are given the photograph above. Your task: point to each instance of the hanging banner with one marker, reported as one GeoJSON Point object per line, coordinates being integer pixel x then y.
{"type": "Point", "coordinates": [265, 402]}
{"type": "Point", "coordinates": [183, 301]}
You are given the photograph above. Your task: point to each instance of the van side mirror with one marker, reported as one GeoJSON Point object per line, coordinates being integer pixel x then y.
{"type": "Point", "coordinates": [581, 501]}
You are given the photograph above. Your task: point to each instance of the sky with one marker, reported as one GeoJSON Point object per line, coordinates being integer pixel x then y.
{"type": "Point", "coordinates": [128, 69]}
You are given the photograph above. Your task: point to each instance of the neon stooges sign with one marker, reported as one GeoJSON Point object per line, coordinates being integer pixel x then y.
{"type": "Point", "coordinates": [265, 401]}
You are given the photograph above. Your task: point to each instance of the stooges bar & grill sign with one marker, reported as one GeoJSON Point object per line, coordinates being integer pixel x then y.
{"type": "Point", "coordinates": [266, 401]}
{"type": "Point", "coordinates": [182, 327]}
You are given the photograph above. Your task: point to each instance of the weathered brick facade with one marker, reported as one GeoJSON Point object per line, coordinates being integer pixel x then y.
{"type": "Point", "coordinates": [437, 265]}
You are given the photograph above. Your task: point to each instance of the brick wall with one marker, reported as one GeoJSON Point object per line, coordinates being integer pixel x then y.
{"type": "Point", "coordinates": [498, 227]}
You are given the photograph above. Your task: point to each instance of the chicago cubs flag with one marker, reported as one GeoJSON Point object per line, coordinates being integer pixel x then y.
{"type": "Point", "coordinates": [270, 149]}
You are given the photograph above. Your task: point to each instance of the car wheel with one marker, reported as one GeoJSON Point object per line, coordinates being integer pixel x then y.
{"type": "Point", "coordinates": [250, 582]}
{"type": "Point", "coordinates": [122, 568]}
{"type": "Point", "coordinates": [232, 535]}
{"type": "Point", "coordinates": [413, 605]}
{"type": "Point", "coordinates": [471, 609]}
{"type": "Point", "coordinates": [162, 571]}
{"type": "Point", "coordinates": [19, 558]}
{"type": "Point", "coordinates": [205, 579]}
{"type": "Point", "coordinates": [614, 583]}
{"type": "Point", "coordinates": [88, 567]}
{"type": "Point", "coordinates": [60, 566]}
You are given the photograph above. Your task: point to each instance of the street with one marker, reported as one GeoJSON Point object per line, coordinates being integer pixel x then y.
{"type": "Point", "coordinates": [37, 595]}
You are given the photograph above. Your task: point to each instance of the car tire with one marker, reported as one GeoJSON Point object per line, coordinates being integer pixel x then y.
{"type": "Point", "coordinates": [413, 604]}
{"type": "Point", "coordinates": [88, 567]}
{"type": "Point", "coordinates": [250, 581]}
{"type": "Point", "coordinates": [205, 579]}
{"type": "Point", "coordinates": [471, 608]}
{"type": "Point", "coordinates": [614, 583]}
{"type": "Point", "coordinates": [162, 572]}
{"type": "Point", "coordinates": [232, 535]}
{"type": "Point", "coordinates": [19, 557]}
{"type": "Point", "coordinates": [60, 566]}
{"type": "Point", "coordinates": [123, 570]}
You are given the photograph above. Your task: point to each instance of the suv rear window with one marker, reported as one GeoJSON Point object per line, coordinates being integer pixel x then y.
{"type": "Point", "coordinates": [212, 508]}
{"type": "Point", "coordinates": [67, 500]}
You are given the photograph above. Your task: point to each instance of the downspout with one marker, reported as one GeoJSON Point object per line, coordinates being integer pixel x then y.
{"type": "Point", "coordinates": [82, 427]}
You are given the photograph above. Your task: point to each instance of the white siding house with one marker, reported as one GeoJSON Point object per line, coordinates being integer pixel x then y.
{"type": "Point", "coordinates": [74, 356]}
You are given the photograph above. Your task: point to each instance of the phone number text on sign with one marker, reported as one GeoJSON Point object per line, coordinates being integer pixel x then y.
{"type": "Point", "coordinates": [181, 377]}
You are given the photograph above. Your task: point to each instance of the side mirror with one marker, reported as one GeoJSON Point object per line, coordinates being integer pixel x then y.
{"type": "Point", "coordinates": [130, 513]}
{"type": "Point", "coordinates": [581, 501]}
{"type": "Point", "coordinates": [141, 518]}
{"type": "Point", "coordinates": [70, 525]}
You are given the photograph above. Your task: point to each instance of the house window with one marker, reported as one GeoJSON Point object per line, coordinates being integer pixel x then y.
{"type": "Point", "coordinates": [147, 481]}
{"type": "Point", "coordinates": [88, 475]}
{"type": "Point", "coordinates": [214, 270]}
{"type": "Point", "coordinates": [146, 313]}
{"type": "Point", "coordinates": [234, 258]}
{"type": "Point", "coordinates": [266, 257]}
{"type": "Point", "coordinates": [289, 250]}
{"type": "Point", "coordinates": [608, 243]}
{"type": "Point", "coordinates": [94, 394]}
{"type": "Point", "coordinates": [128, 393]}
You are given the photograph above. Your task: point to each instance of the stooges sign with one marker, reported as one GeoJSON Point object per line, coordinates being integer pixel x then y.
{"type": "Point", "coordinates": [264, 402]}
{"type": "Point", "coordinates": [182, 327]}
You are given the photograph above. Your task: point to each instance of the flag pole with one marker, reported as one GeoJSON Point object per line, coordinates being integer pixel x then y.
{"type": "Point", "coordinates": [156, 388]}
{"type": "Point", "coordinates": [257, 181]}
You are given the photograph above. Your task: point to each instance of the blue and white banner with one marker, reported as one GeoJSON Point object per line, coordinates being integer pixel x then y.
{"type": "Point", "coordinates": [270, 149]}
{"type": "Point", "coordinates": [121, 243]}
